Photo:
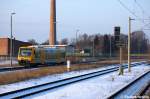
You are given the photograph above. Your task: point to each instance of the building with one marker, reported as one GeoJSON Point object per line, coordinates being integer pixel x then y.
{"type": "Point", "coordinates": [5, 46]}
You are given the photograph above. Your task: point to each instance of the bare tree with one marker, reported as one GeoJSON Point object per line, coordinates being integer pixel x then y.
{"type": "Point", "coordinates": [45, 42]}
{"type": "Point", "coordinates": [64, 41]}
{"type": "Point", "coordinates": [33, 41]}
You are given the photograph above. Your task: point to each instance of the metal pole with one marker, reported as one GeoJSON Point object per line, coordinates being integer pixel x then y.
{"type": "Point", "coordinates": [120, 68]}
{"type": "Point", "coordinates": [93, 49]}
{"type": "Point", "coordinates": [77, 37]}
{"type": "Point", "coordinates": [76, 58]}
{"type": "Point", "coordinates": [11, 42]}
{"type": "Point", "coordinates": [13, 45]}
{"type": "Point", "coordinates": [110, 46]}
{"type": "Point", "coordinates": [120, 55]}
{"type": "Point", "coordinates": [129, 45]}
{"type": "Point", "coordinates": [11, 39]}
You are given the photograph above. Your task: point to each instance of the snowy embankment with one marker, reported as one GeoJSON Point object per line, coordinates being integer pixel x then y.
{"type": "Point", "coordinates": [96, 88]}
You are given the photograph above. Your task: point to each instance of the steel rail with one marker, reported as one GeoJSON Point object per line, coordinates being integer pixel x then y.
{"type": "Point", "coordinates": [122, 93]}
{"type": "Point", "coordinates": [55, 84]}
{"type": "Point", "coordinates": [143, 90]}
{"type": "Point", "coordinates": [6, 69]}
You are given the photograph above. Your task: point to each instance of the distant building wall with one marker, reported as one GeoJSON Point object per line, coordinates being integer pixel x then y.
{"type": "Point", "coordinates": [5, 46]}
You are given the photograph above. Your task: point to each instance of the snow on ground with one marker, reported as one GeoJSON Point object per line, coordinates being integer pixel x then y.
{"type": "Point", "coordinates": [97, 88]}
{"type": "Point", "coordinates": [50, 78]}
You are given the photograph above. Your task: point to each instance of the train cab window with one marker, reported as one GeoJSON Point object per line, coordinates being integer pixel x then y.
{"type": "Point", "coordinates": [25, 52]}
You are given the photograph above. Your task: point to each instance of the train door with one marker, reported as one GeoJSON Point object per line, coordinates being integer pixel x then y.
{"type": "Point", "coordinates": [37, 55]}
{"type": "Point", "coordinates": [42, 53]}
{"type": "Point", "coordinates": [58, 57]}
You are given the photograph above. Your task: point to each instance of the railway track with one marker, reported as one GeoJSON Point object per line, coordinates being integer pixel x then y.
{"type": "Point", "coordinates": [135, 89]}
{"type": "Point", "coordinates": [6, 69]}
{"type": "Point", "coordinates": [52, 85]}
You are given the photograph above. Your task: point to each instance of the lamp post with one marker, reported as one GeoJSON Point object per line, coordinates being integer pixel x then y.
{"type": "Point", "coordinates": [110, 52]}
{"type": "Point", "coordinates": [13, 47]}
{"type": "Point", "coordinates": [93, 48]}
{"type": "Point", "coordinates": [11, 36]}
{"type": "Point", "coordinates": [76, 58]}
{"type": "Point", "coordinates": [129, 45]}
{"type": "Point", "coordinates": [77, 37]}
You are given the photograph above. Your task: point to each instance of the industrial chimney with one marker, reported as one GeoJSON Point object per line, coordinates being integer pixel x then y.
{"type": "Point", "coordinates": [52, 36]}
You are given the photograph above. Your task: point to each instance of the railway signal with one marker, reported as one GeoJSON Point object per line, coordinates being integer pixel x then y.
{"type": "Point", "coordinates": [117, 34]}
{"type": "Point", "coordinates": [116, 38]}
{"type": "Point", "coordinates": [120, 45]}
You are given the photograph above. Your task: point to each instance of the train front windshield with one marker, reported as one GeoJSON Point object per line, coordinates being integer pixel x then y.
{"type": "Point", "coordinates": [25, 52]}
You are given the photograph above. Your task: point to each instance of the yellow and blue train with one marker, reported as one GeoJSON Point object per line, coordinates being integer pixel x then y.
{"type": "Point", "coordinates": [35, 55]}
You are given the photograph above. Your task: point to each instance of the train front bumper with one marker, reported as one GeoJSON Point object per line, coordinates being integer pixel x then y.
{"type": "Point", "coordinates": [24, 60]}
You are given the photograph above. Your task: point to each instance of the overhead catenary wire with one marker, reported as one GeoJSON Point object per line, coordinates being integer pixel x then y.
{"type": "Point", "coordinates": [122, 4]}
{"type": "Point", "coordinates": [131, 12]}
{"type": "Point", "coordinates": [143, 11]}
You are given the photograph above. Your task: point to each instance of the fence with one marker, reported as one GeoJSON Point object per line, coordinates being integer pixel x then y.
{"type": "Point", "coordinates": [6, 60]}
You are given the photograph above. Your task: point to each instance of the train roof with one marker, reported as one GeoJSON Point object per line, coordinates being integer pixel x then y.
{"type": "Point", "coordinates": [49, 46]}
{"type": "Point", "coordinates": [45, 46]}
